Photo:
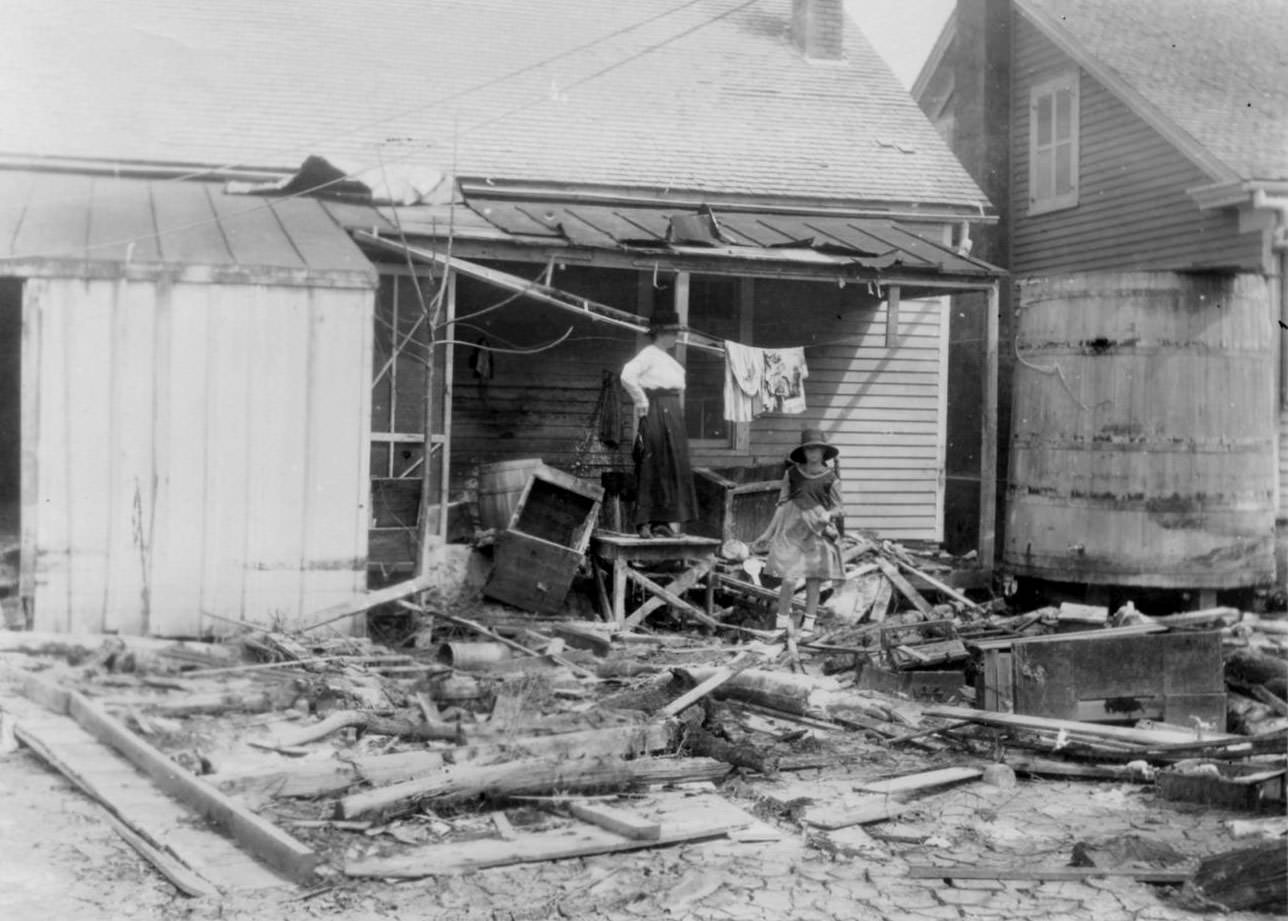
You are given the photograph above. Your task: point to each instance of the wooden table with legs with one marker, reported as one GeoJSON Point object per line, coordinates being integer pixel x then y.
{"type": "Point", "coordinates": [617, 552]}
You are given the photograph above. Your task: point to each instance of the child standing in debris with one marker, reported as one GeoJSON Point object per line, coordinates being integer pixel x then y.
{"type": "Point", "coordinates": [803, 539]}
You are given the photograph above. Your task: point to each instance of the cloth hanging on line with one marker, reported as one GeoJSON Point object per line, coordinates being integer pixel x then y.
{"type": "Point", "coordinates": [759, 381]}
{"type": "Point", "coordinates": [744, 378]}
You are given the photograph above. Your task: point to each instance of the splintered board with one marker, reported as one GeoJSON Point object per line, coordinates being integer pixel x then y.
{"type": "Point", "coordinates": [198, 860]}
{"type": "Point", "coordinates": [680, 818]}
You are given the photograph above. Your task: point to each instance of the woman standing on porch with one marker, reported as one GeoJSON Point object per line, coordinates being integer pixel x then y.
{"type": "Point", "coordinates": [663, 477]}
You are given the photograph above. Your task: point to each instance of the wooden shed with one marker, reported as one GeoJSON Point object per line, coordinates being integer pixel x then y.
{"type": "Point", "coordinates": [194, 404]}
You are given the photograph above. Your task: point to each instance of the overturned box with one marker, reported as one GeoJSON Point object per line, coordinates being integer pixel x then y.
{"type": "Point", "coordinates": [537, 556]}
{"type": "Point", "coordinates": [1106, 676]}
{"type": "Point", "coordinates": [736, 503]}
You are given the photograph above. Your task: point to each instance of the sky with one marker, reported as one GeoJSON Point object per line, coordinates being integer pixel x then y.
{"type": "Point", "coordinates": [902, 31]}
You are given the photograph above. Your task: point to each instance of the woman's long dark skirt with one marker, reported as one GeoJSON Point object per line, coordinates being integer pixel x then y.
{"type": "Point", "coordinates": [662, 471]}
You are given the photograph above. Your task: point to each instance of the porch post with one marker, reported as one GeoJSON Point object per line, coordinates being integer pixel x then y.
{"type": "Point", "coordinates": [988, 437]}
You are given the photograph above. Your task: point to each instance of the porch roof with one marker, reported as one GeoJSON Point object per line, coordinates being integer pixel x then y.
{"type": "Point", "coordinates": [837, 247]}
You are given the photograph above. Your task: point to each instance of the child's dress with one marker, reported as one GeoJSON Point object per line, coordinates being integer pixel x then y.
{"type": "Point", "coordinates": [796, 539]}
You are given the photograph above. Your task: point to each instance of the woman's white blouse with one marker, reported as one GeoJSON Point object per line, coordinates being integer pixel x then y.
{"type": "Point", "coordinates": [651, 369]}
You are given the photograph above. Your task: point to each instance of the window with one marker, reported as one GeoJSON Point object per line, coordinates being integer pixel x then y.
{"type": "Point", "coordinates": [714, 308]}
{"type": "Point", "coordinates": [1053, 144]}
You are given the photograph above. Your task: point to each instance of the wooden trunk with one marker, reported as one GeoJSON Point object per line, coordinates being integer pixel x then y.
{"type": "Point", "coordinates": [1142, 449]}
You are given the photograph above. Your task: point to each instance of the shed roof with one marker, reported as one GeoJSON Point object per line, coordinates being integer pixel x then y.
{"type": "Point", "coordinates": [1216, 70]}
{"type": "Point", "coordinates": [104, 226]}
{"type": "Point", "coordinates": [709, 95]}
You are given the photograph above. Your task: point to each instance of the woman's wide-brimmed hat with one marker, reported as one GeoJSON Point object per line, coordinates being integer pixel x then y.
{"type": "Point", "coordinates": [665, 321]}
{"type": "Point", "coordinates": [813, 438]}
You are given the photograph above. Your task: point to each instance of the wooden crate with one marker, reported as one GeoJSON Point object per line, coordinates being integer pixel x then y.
{"type": "Point", "coordinates": [531, 573]}
{"type": "Point", "coordinates": [1107, 676]}
{"type": "Point", "coordinates": [537, 556]}
{"type": "Point", "coordinates": [1233, 786]}
{"type": "Point", "coordinates": [735, 503]}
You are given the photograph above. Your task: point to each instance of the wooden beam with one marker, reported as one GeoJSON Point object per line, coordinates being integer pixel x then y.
{"type": "Point", "coordinates": [1144, 874]}
{"type": "Point", "coordinates": [368, 601]}
{"type": "Point", "coordinates": [648, 584]}
{"type": "Point", "coordinates": [904, 586]}
{"type": "Point", "coordinates": [624, 823]}
{"type": "Point", "coordinates": [686, 580]}
{"type": "Point", "coordinates": [261, 838]}
{"type": "Point", "coordinates": [922, 781]}
{"type": "Point", "coordinates": [449, 364]}
{"type": "Point", "coordinates": [987, 549]}
{"type": "Point", "coordinates": [892, 317]}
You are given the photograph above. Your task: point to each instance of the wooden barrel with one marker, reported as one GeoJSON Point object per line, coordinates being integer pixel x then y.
{"type": "Point", "coordinates": [500, 487]}
{"type": "Point", "coordinates": [1142, 434]}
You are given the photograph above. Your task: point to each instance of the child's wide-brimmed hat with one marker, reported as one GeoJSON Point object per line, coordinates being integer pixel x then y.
{"type": "Point", "coordinates": [813, 438]}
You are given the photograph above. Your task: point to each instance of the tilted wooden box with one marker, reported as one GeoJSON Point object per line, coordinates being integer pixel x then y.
{"type": "Point", "coordinates": [536, 557]}
{"type": "Point", "coordinates": [735, 503]}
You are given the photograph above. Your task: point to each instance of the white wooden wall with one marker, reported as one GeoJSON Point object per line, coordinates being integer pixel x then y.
{"type": "Point", "coordinates": [193, 454]}
{"type": "Point", "coordinates": [885, 408]}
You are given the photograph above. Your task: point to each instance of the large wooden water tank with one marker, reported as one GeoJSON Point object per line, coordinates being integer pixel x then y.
{"type": "Point", "coordinates": [1143, 433]}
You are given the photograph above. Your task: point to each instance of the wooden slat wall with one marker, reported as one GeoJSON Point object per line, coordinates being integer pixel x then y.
{"type": "Point", "coordinates": [537, 405]}
{"type": "Point", "coordinates": [193, 450]}
{"type": "Point", "coordinates": [1133, 211]}
{"type": "Point", "coordinates": [880, 406]}
{"type": "Point", "coordinates": [1283, 463]}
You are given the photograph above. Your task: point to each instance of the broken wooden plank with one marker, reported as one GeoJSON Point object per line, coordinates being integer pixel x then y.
{"type": "Point", "coordinates": [527, 776]}
{"type": "Point", "coordinates": [924, 780]}
{"type": "Point", "coordinates": [374, 724]}
{"type": "Point", "coordinates": [670, 598]}
{"type": "Point", "coordinates": [941, 587]}
{"type": "Point", "coordinates": [624, 823]}
{"type": "Point", "coordinates": [368, 601]}
{"type": "Point", "coordinates": [261, 838]}
{"type": "Point", "coordinates": [1141, 737]}
{"type": "Point", "coordinates": [871, 809]}
{"type": "Point", "coordinates": [687, 580]}
{"type": "Point", "coordinates": [682, 818]}
{"type": "Point", "coordinates": [1247, 878]}
{"type": "Point", "coordinates": [743, 661]}
{"type": "Point", "coordinates": [904, 586]}
{"type": "Point", "coordinates": [164, 833]}
{"type": "Point", "coordinates": [1047, 874]}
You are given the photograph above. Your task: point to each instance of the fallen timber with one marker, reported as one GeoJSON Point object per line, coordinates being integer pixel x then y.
{"type": "Point", "coordinates": [528, 776]}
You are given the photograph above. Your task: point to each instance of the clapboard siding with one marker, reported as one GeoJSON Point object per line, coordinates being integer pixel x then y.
{"type": "Point", "coordinates": [192, 450]}
{"type": "Point", "coordinates": [1283, 465]}
{"type": "Point", "coordinates": [881, 407]}
{"type": "Point", "coordinates": [1133, 211]}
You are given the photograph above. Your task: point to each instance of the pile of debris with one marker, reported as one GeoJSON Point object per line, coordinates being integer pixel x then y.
{"type": "Point", "coordinates": [481, 736]}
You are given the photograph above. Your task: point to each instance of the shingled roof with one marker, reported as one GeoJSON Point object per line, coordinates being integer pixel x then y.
{"type": "Point", "coordinates": [1217, 70]}
{"type": "Point", "coordinates": [709, 95]}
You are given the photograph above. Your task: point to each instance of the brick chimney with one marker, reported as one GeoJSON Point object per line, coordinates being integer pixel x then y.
{"type": "Point", "coordinates": [818, 28]}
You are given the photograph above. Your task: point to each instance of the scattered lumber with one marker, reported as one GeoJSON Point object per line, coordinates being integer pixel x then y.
{"type": "Point", "coordinates": [925, 780]}
{"type": "Point", "coordinates": [621, 821]}
{"type": "Point", "coordinates": [904, 586]}
{"type": "Point", "coordinates": [1250, 667]}
{"type": "Point", "coordinates": [260, 837]}
{"type": "Point", "coordinates": [298, 778]}
{"type": "Point", "coordinates": [1050, 767]}
{"type": "Point", "coordinates": [682, 818]}
{"type": "Point", "coordinates": [870, 809]}
{"type": "Point", "coordinates": [799, 695]}
{"type": "Point", "coordinates": [369, 722]}
{"type": "Point", "coordinates": [717, 678]}
{"type": "Point", "coordinates": [370, 600]}
{"type": "Point", "coordinates": [498, 638]}
{"type": "Point", "coordinates": [1072, 728]}
{"type": "Point", "coordinates": [195, 859]}
{"type": "Point", "coordinates": [1248, 878]}
{"type": "Point", "coordinates": [527, 776]}
{"type": "Point", "coordinates": [698, 741]}
{"type": "Point", "coordinates": [1046, 874]}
